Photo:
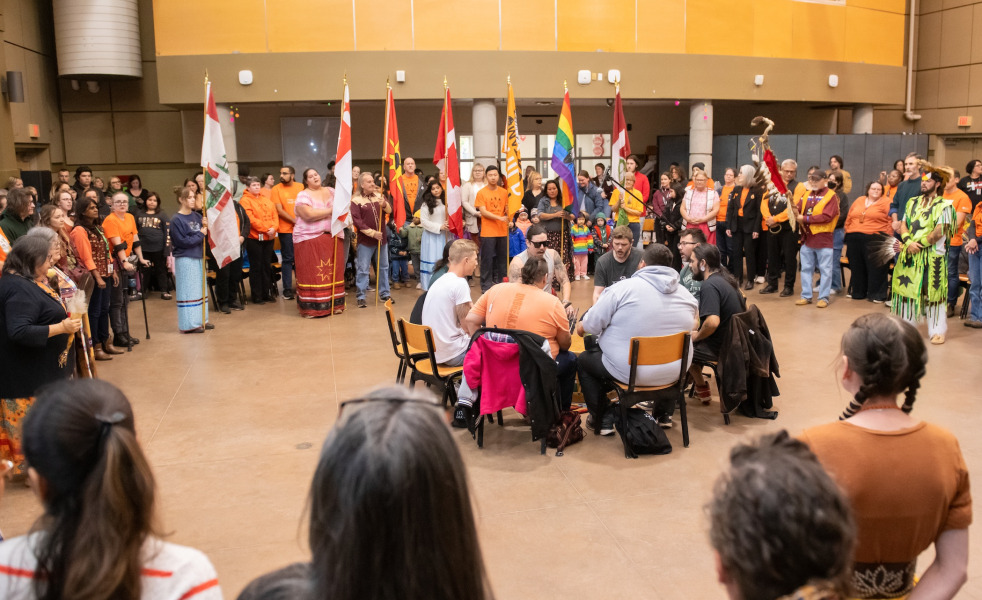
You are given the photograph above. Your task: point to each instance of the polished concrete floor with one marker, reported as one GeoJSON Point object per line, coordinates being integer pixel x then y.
{"type": "Point", "coordinates": [232, 421]}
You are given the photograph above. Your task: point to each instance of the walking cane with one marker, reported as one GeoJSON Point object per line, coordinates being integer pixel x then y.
{"type": "Point", "coordinates": [143, 299]}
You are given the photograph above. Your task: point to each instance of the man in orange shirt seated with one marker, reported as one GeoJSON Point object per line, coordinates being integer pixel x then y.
{"type": "Point", "coordinates": [120, 230]}
{"type": "Point", "coordinates": [963, 210]}
{"type": "Point", "coordinates": [526, 306]}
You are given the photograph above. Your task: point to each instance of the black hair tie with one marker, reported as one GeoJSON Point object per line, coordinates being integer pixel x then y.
{"type": "Point", "coordinates": [106, 423]}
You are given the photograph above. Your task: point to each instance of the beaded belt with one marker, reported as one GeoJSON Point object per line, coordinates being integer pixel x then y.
{"type": "Point", "coordinates": [883, 580]}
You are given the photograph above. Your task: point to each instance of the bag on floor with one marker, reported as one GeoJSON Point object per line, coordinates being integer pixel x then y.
{"type": "Point", "coordinates": [642, 435]}
{"type": "Point", "coordinates": [566, 431]}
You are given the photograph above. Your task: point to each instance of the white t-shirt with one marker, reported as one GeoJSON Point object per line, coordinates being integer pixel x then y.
{"type": "Point", "coordinates": [170, 572]}
{"type": "Point", "coordinates": [440, 315]}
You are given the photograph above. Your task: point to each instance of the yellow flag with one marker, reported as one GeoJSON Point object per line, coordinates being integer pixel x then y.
{"type": "Point", "coordinates": [513, 159]}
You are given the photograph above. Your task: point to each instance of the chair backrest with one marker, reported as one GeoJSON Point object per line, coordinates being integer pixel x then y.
{"type": "Point", "coordinates": [391, 320]}
{"type": "Point", "coordinates": [418, 336]}
{"type": "Point", "coordinates": [660, 350]}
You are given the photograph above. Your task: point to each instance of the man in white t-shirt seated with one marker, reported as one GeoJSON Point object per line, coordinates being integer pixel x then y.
{"type": "Point", "coordinates": [649, 303]}
{"type": "Point", "coordinates": [446, 306]}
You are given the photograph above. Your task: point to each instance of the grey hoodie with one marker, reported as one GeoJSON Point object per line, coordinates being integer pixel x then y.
{"type": "Point", "coordinates": [650, 303]}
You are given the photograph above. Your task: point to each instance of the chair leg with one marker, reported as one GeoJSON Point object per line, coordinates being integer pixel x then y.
{"type": "Point", "coordinates": [685, 420]}
{"type": "Point", "coordinates": [501, 421]}
{"type": "Point", "coordinates": [726, 418]}
{"type": "Point", "coordinates": [402, 362]}
{"type": "Point", "coordinates": [480, 432]}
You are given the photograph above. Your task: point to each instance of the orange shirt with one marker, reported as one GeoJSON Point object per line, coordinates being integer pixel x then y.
{"type": "Point", "coordinates": [496, 203]}
{"type": "Point", "coordinates": [526, 307]}
{"type": "Point", "coordinates": [724, 201]}
{"type": "Point", "coordinates": [962, 204]}
{"type": "Point", "coordinates": [743, 200]}
{"type": "Point", "coordinates": [889, 191]}
{"type": "Point", "coordinates": [285, 196]}
{"type": "Point", "coordinates": [977, 217]}
{"type": "Point", "coordinates": [410, 184]}
{"type": "Point", "coordinates": [872, 219]}
{"type": "Point", "coordinates": [261, 212]}
{"type": "Point", "coordinates": [124, 229]}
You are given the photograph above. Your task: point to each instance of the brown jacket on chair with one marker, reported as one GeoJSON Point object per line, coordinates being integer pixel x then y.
{"type": "Point", "coordinates": [748, 366]}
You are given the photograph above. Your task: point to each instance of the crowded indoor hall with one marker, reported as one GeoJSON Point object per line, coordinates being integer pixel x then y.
{"type": "Point", "coordinates": [687, 308]}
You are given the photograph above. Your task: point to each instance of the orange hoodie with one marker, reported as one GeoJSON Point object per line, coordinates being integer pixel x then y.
{"type": "Point", "coordinates": [262, 215]}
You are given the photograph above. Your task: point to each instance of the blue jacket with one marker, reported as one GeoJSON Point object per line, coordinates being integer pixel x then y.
{"type": "Point", "coordinates": [591, 202]}
{"type": "Point", "coordinates": [516, 242]}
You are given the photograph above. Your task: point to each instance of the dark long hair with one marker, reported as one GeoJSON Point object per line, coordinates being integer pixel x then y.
{"type": "Point", "coordinates": [99, 492]}
{"type": "Point", "coordinates": [710, 254]}
{"type": "Point", "coordinates": [445, 259]}
{"type": "Point", "coordinates": [429, 199]}
{"type": "Point", "coordinates": [82, 204]}
{"type": "Point", "coordinates": [390, 512]}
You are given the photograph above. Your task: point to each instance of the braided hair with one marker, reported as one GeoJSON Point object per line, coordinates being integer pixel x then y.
{"type": "Point", "coordinates": [888, 355]}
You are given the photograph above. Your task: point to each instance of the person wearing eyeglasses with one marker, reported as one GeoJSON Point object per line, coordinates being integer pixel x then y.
{"type": "Point", "coordinates": [120, 229]}
{"type": "Point", "coordinates": [868, 217]}
{"type": "Point", "coordinates": [816, 213]}
{"type": "Point", "coordinates": [284, 197]}
{"type": "Point", "coordinates": [690, 239]}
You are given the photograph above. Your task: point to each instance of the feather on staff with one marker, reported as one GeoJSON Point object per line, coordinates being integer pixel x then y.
{"type": "Point", "coordinates": [766, 164]}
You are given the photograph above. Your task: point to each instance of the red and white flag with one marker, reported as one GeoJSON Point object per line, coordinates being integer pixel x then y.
{"type": "Point", "coordinates": [223, 229]}
{"type": "Point", "coordinates": [620, 147]}
{"type": "Point", "coordinates": [342, 170]}
{"type": "Point", "coordinates": [445, 158]}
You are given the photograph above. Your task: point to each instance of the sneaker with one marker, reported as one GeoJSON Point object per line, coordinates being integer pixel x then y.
{"type": "Point", "coordinates": [288, 294]}
{"type": "Point", "coordinates": [362, 303]}
{"type": "Point", "coordinates": [646, 405]}
{"type": "Point", "coordinates": [236, 306]}
{"type": "Point", "coordinates": [462, 417]}
{"type": "Point", "coordinates": [951, 311]}
{"type": "Point", "coordinates": [665, 421]}
{"type": "Point", "coordinates": [876, 301]}
{"type": "Point", "coordinates": [419, 286]}
{"type": "Point", "coordinates": [973, 324]}
{"type": "Point", "coordinates": [386, 298]}
{"type": "Point", "coordinates": [759, 279]}
{"type": "Point", "coordinates": [607, 423]}
{"type": "Point", "coordinates": [165, 296]}
{"type": "Point", "coordinates": [225, 308]}
{"type": "Point", "coordinates": [803, 302]}
{"type": "Point", "coordinates": [888, 303]}
{"type": "Point", "coordinates": [822, 303]}
{"type": "Point", "coordinates": [703, 393]}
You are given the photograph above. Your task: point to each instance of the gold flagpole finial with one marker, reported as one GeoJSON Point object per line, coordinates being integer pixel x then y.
{"type": "Point", "coordinates": [445, 86]}
{"type": "Point", "coordinates": [345, 78]}
{"type": "Point", "coordinates": [565, 89]}
{"type": "Point", "coordinates": [387, 86]}
{"type": "Point", "coordinates": [509, 79]}
{"type": "Point", "coordinates": [206, 75]}
{"type": "Point", "coordinates": [617, 86]}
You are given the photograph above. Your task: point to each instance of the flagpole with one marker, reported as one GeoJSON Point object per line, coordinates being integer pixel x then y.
{"type": "Point", "coordinates": [562, 230]}
{"type": "Point", "coordinates": [334, 256]}
{"type": "Point", "coordinates": [446, 161]}
{"type": "Point", "coordinates": [385, 129]}
{"type": "Point", "coordinates": [508, 245]}
{"type": "Point", "coordinates": [204, 213]}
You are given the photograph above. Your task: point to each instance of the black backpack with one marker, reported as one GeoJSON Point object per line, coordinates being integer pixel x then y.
{"type": "Point", "coordinates": [642, 435]}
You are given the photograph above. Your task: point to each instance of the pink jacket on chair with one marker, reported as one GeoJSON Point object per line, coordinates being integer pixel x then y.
{"type": "Point", "coordinates": [492, 367]}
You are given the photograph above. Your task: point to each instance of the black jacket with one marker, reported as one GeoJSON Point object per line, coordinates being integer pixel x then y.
{"type": "Point", "coordinates": [750, 221]}
{"type": "Point", "coordinates": [28, 357]}
{"type": "Point", "coordinates": [540, 378]}
{"type": "Point", "coordinates": [748, 366]}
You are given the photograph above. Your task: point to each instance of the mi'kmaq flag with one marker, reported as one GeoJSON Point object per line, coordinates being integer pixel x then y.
{"type": "Point", "coordinates": [223, 229]}
{"type": "Point", "coordinates": [393, 158]}
{"type": "Point", "coordinates": [445, 158]}
{"type": "Point", "coordinates": [620, 147]}
{"type": "Point", "coordinates": [342, 171]}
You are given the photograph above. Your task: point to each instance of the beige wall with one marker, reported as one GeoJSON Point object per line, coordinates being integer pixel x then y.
{"type": "Point", "coordinates": [948, 66]}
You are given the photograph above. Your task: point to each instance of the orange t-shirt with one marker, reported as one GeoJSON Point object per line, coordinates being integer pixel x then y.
{"type": "Point", "coordinates": [4, 247]}
{"type": "Point", "coordinates": [526, 307]}
{"type": "Point", "coordinates": [743, 200]}
{"type": "Point", "coordinates": [124, 229]}
{"type": "Point", "coordinates": [962, 204]}
{"type": "Point", "coordinates": [724, 201]}
{"type": "Point", "coordinates": [410, 184]}
{"type": "Point", "coordinates": [889, 191]}
{"type": "Point", "coordinates": [915, 489]}
{"type": "Point", "coordinates": [874, 219]}
{"type": "Point", "coordinates": [285, 197]}
{"type": "Point", "coordinates": [496, 203]}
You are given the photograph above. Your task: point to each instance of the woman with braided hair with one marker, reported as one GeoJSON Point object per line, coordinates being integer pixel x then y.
{"type": "Point", "coordinates": [905, 479]}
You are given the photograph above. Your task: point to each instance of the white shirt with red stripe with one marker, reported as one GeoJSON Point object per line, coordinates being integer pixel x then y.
{"type": "Point", "coordinates": [170, 572]}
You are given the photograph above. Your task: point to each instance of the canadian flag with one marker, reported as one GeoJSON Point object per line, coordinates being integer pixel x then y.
{"type": "Point", "coordinates": [342, 171]}
{"type": "Point", "coordinates": [445, 158]}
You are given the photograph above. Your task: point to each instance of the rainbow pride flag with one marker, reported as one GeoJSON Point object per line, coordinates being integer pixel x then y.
{"type": "Point", "coordinates": [563, 162]}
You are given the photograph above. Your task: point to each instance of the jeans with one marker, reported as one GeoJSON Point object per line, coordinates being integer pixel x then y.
{"type": "Point", "coordinates": [975, 291]}
{"type": "Point", "coordinates": [364, 257]}
{"type": "Point", "coordinates": [415, 259]}
{"type": "Point", "coordinates": [399, 270]}
{"type": "Point", "coordinates": [838, 237]}
{"type": "Point", "coordinates": [810, 259]}
{"type": "Point", "coordinates": [286, 260]}
{"type": "Point", "coordinates": [99, 312]}
{"type": "Point", "coordinates": [636, 231]}
{"type": "Point", "coordinates": [566, 361]}
{"type": "Point", "coordinates": [494, 257]}
{"type": "Point", "coordinates": [725, 245]}
{"type": "Point", "coordinates": [954, 252]}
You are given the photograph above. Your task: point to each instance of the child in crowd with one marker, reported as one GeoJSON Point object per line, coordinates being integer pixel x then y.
{"type": "Point", "coordinates": [398, 255]}
{"type": "Point", "coordinates": [601, 237]}
{"type": "Point", "coordinates": [516, 235]}
{"type": "Point", "coordinates": [582, 246]}
{"type": "Point", "coordinates": [152, 226]}
{"type": "Point", "coordinates": [414, 237]}
{"type": "Point", "coordinates": [534, 216]}
{"type": "Point", "coordinates": [522, 220]}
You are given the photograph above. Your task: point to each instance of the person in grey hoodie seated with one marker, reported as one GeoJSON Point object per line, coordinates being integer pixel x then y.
{"type": "Point", "coordinates": [650, 303]}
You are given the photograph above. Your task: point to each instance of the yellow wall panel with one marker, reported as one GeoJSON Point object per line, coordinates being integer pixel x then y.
{"type": "Point", "coordinates": [302, 26]}
{"type": "Point", "coordinates": [528, 25]}
{"type": "Point", "coordinates": [819, 32]}
{"type": "Point", "coordinates": [461, 24]}
{"type": "Point", "coordinates": [891, 6]}
{"type": "Point", "coordinates": [181, 27]}
{"type": "Point", "coordinates": [383, 25]}
{"type": "Point", "coordinates": [709, 30]}
{"type": "Point", "coordinates": [772, 28]}
{"type": "Point", "coordinates": [588, 25]}
{"type": "Point", "coordinates": [865, 43]}
{"type": "Point", "coordinates": [669, 36]}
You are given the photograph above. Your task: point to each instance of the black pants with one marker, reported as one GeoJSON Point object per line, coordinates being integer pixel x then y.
{"type": "Point", "coordinates": [782, 251]}
{"type": "Point", "coordinates": [157, 272]}
{"type": "Point", "coordinates": [743, 246]}
{"type": "Point", "coordinates": [494, 255]}
{"type": "Point", "coordinates": [227, 282]}
{"type": "Point", "coordinates": [119, 303]}
{"type": "Point", "coordinates": [595, 383]}
{"type": "Point", "coordinates": [566, 361]}
{"type": "Point", "coordinates": [260, 268]}
{"type": "Point", "coordinates": [867, 279]}
{"type": "Point", "coordinates": [99, 312]}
